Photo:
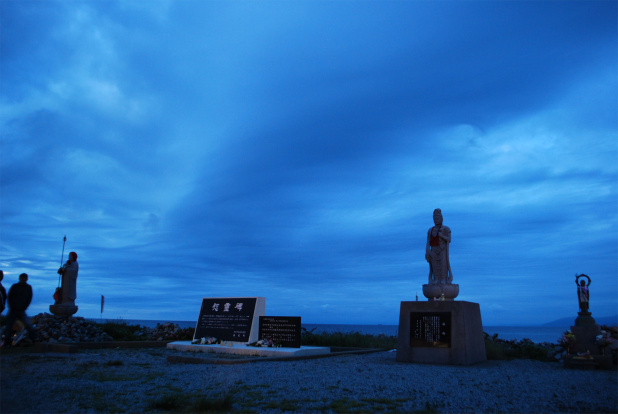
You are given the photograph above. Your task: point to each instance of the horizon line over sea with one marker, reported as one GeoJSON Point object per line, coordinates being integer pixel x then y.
{"type": "Point", "coordinates": [537, 334]}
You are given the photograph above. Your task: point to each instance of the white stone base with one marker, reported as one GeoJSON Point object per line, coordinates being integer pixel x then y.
{"type": "Point", "coordinates": [238, 348]}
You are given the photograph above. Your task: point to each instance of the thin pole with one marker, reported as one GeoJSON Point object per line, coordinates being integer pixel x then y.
{"type": "Point", "coordinates": [63, 243]}
{"type": "Point", "coordinates": [62, 258]}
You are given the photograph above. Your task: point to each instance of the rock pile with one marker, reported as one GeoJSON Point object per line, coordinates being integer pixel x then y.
{"type": "Point", "coordinates": [54, 329]}
{"type": "Point", "coordinates": [74, 329]}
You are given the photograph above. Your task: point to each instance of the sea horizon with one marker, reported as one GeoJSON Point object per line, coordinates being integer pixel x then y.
{"type": "Point", "coordinates": [536, 333]}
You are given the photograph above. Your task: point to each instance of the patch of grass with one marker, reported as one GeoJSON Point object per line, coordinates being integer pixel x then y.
{"type": "Point", "coordinates": [168, 402]}
{"type": "Point", "coordinates": [252, 392]}
{"type": "Point", "coordinates": [349, 339]}
{"type": "Point", "coordinates": [206, 405]}
{"type": "Point", "coordinates": [507, 351]}
{"type": "Point", "coordinates": [111, 376]}
{"type": "Point", "coordinates": [100, 401]}
{"type": "Point", "coordinates": [104, 372]}
{"type": "Point", "coordinates": [191, 403]}
{"type": "Point", "coordinates": [346, 405]}
{"type": "Point", "coordinates": [495, 351]}
{"type": "Point", "coordinates": [28, 360]}
{"type": "Point", "coordinates": [170, 389]}
{"type": "Point", "coordinates": [94, 400]}
{"type": "Point", "coordinates": [430, 408]}
{"type": "Point", "coordinates": [284, 405]}
{"type": "Point", "coordinates": [533, 351]}
{"type": "Point", "coordinates": [142, 364]}
{"type": "Point", "coordinates": [151, 376]}
{"type": "Point", "coordinates": [387, 404]}
{"type": "Point", "coordinates": [122, 331]}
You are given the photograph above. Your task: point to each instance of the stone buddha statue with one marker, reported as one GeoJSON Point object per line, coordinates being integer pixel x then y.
{"type": "Point", "coordinates": [65, 304]}
{"type": "Point", "coordinates": [440, 279]}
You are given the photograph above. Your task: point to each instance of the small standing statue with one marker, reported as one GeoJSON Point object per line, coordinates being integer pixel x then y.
{"type": "Point", "coordinates": [583, 294]}
{"type": "Point", "coordinates": [437, 255]}
{"type": "Point", "coordinates": [436, 251]}
{"type": "Point", "coordinates": [65, 301]}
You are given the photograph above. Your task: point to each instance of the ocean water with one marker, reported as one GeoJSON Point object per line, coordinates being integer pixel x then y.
{"type": "Point", "coordinates": [537, 334]}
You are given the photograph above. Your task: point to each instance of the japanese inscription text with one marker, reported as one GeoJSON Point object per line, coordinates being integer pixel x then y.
{"type": "Point", "coordinates": [283, 330]}
{"type": "Point", "coordinates": [430, 329]}
{"type": "Point", "coordinates": [227, 319]}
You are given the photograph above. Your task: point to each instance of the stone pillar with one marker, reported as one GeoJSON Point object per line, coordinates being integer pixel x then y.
{"type": "Point", "coordinates": [586, 331]}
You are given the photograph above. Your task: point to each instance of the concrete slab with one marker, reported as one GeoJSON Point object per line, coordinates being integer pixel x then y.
{"type": "Point", "coordinates": [242, 349]}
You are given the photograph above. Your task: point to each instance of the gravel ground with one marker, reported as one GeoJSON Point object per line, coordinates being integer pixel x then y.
{"type": "Point", "coordinates": [142, 380]}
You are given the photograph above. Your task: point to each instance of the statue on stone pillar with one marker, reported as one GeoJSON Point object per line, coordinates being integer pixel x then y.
{"type": "Point", "coordinates": [437, 255]}
{"type": "Point", "coordinates": [65, 302]}
{"type": "Point", "coordinates": [583, 294]}
{"type": "Point", "coordinates": [585, 328]}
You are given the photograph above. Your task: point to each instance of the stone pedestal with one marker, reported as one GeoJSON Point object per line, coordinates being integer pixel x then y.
{"type": "Point", "coordinates": [589, 363]}
{"type": "Point", "coordinates": [441, 332]}
{"type": "Point", "coordinates": [63, 310]}
{"type": "Point", "coordinates": [449, 290]}
{"type": "Point", "coordinates": [586, 331]}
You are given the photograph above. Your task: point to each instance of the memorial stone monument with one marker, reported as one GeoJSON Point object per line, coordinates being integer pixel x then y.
{"type": "Point", "coordinates": [65, 300]}
{"type": "Point", "coordinates": [233, 325]}
{"type": "Point", "coordinates": [441, 330]}
{"type": "Point", "coordinates": [230, 319]}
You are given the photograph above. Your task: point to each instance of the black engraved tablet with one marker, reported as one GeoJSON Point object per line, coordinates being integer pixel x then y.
{"type": "Point", "coordinates": [282, 330]}
{"type": "Point", "coordinates": [227, 319]}
{"type": "Point", "coordinates": [430, 329]}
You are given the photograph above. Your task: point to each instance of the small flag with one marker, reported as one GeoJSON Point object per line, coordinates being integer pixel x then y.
{"type": "Point", "coordinates": [102, 302]}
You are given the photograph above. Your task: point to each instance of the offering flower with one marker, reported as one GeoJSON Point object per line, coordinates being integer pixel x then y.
{"type": "Point", "coordinates": [605, 339]}
{"type": "Point", "coordinates": [267, 343]}
{"type": "Point", "coordinates": [206, 341]}
{"type": "Point", "coordinates": [567, 339]}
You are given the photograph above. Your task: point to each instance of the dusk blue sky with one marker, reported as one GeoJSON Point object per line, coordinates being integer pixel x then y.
{"type": "Point", "coordinates": [297, 150]}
